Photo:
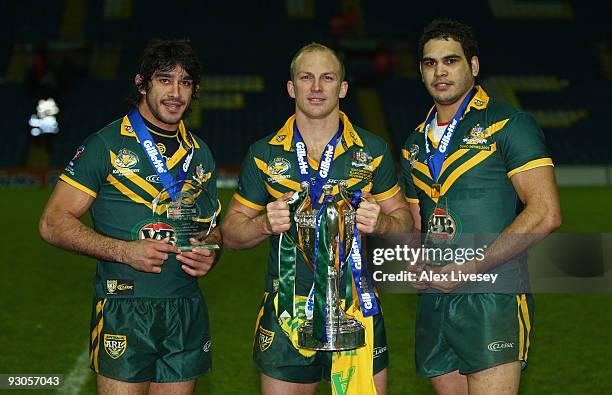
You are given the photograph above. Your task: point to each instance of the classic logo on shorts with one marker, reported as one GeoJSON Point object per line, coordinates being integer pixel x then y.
{"type": "Point", "coordinates": [278, 166]}
{"type": "Point", "coordinates": [442, 225]}
{"type": "Point", "coordinates": [378, 351]}
{"type": "Point", "coordinates": [500, 345]}
{"type": "Point", "coordinates": [120, 287]}
{"type": "Point", "coordinates": [126, 158]}
{"type": "Point", "coordinates": [115, 345]}
{"type": "Point", "coordinates": [157, 231]}
{"type": "Point", "coordinates": [206, 347]}
{"type": "Point", "coordinates": [265, 338]}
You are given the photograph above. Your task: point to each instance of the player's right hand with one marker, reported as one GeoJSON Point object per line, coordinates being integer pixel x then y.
{"type": "Point", "coordinates": [149, 255]}
{"type": "Point", "coordinates": [278, 217]}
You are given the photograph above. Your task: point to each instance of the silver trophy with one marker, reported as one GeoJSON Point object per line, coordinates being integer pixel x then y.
{"type": "Point", "coordinates": [343, 332]}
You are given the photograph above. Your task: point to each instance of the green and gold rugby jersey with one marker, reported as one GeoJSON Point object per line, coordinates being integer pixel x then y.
{"type": "Point", "coordinates": [492, 142]}
{"type": "Point", "coordinates": [270, 170]}
{"type": "Point", "coordinates": [112, 167]}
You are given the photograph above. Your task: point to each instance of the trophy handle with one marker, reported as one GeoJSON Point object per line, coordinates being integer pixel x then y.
{"type": "Point", "coordinates": [305, 232]}
{"type": "Point", "coordinates": [306, 191]}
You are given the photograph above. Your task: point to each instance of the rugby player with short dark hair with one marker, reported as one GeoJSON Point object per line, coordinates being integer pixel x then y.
{"type": "Point", "coordinates": [476, 166]}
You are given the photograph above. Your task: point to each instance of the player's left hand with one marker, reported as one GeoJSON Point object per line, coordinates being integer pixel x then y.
{"type": "Point", "coordinates": [198, 261]}
{"type": "Point", "coordinates": [368, 214]}
{"type": "Point", "coordinates": [449, 278]}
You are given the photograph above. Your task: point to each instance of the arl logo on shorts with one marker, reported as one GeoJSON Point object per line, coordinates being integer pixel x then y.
{"type": "Point", "coordinates": [265, 338]}
{"type": "Point", "coordinates": [115, 345]}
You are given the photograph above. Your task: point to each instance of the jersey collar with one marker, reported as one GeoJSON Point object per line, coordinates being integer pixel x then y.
{"type": "Point", "coordinates": [284, 137]}
{"type": "Point", "coordinates": [127, 130]}
{"type": "Point", "coordinates": [480, 101]}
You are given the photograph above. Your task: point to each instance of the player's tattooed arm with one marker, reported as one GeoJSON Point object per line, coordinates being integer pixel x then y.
{"type": "Point", "coordinates": [60, 225]}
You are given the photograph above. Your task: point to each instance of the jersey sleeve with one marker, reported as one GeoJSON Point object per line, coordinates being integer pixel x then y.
{"type": "Point", "coordinates": [384, 180]}
{"type": "Point", "coordinates": [522, 145]}
{"type": "Point", "coordinates": [406, 177]}
{"type": "Point", "coordinates": [89, 167]}
{"type": "Point", "coordinates": [251, 190]}
{"type": "Point", "coordinates": [211, 184]}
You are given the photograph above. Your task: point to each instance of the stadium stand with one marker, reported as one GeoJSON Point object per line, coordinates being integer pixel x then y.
{"type": "Point", "coordinates": [528, 57]}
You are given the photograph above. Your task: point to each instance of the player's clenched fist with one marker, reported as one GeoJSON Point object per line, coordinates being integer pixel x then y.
{"type": "Point", "coordinates": [278, 217]}
{"type": "Point", "coordinates": [368, 214]}
{"type": "Point", "coordinates": [148, 255]}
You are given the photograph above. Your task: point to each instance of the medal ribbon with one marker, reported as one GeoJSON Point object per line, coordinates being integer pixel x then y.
{"type": "Point", "coordinates": [325, 163]}
{"type": "Point", "coordinates": [435, 161]}
{"type": "Point", "coordinates": [172, 185]}
{"type": "Point", "coordinates": [363, 283]}
{"type": "Point", "coordinates": [286, 274]}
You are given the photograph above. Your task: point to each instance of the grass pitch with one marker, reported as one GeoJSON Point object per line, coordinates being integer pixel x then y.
{"type": "Point", "coordinates": [46, 300]}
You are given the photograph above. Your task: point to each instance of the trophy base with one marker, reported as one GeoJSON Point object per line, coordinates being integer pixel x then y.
{"type": "Point", "coordinates": [202, 246]}
{"type": "Point", "coordinates": [348, 335]}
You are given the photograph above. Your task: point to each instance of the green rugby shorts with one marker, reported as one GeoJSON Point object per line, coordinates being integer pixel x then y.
{"type": "Point", "coordinates": [471, 332]}
{"type": "Point", "coordinates": [149, 339]}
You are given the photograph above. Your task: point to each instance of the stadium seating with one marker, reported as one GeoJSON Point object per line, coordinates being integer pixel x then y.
{"type": "Point", "coordinates": [246, 55]}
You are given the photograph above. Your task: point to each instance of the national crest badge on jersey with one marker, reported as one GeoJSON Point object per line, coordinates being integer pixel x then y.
{"type": "Point", "coordinates": [126, 158]}
{"type": "Point", "coordinates": [477, 135]}
{"type": "Point", "coordinates": [278, 166]}
{"type": "Point", "coordinates": [265, 338]}
{"type": "Point", "coordinates": [115, 345]}
{"type": "Point", "coordinates": [362, 159]}
{"type": "Point", "coordinates": [477, 138]}
{"type": "Point", "coordinates": [413, 151]}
